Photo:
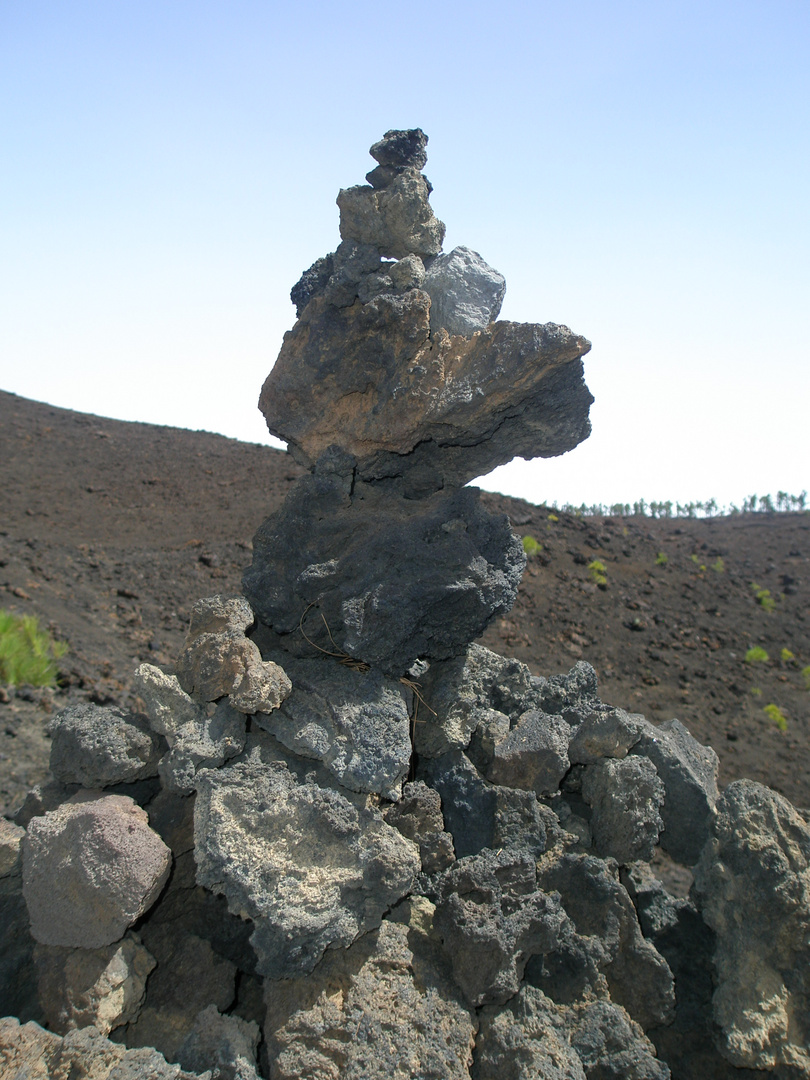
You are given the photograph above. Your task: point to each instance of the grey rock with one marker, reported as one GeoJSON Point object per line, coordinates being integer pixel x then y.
{"type": "Point", "coordinates": [219, 615]}
{"type": "Point", "coordinates": [11, 836]}
{"type": "Point", "coordinates": [609, 734]}
{"type": "Point", "coordinates": [625, 797]}
{"type": "Point", "coordinates": [375, 285]}
{"type": "Point", "coordinates": [525, 1040]}
{"type": "Point", "coordinates": [534, 755]}
{"type": "Point", "coordinates": [396, 219]}
{"type": "Point", "coordinates": [207, 742]}
{"type": "Point", "coordinates": [308, 867]}
{"type": "Point", "coordinates": [607, 939]}
{"type": "Point", "coordinates": [91, 868]}
{"type": "Point", "coordinates": [18, 987]}
{"type": "Point", "coordinates": [384, 1007]}
{"type": "Point", "coordinates": [311, 283]}
{"type": "Point", "coordinates": [612, 1046]}
{"type": "Point", "coordinates": [103, 987]}
{"type": "Point", "coordinates": [753, 884]}
{"type": "Point", "coordinates": [689, 774]}
{"type": "Point", "coordinates": [423, 581]}
{"type": "Point", "coordinates": [465, 293]}
{"type": "Point", "coordinates": [41, 799]}
{"type": "Point", "coordinates": [469, 803]}
{"type": "Point", "coordinates": [370, 379]}
{"type": "Point", "coordinates": [407, 273]}
{"type": "Point", "coordinates": [189, 978]}
{"type": "Point", "coordinates": [356, 723]}
{"type": "Point", "coordinates": [418, 816]}
{"type": "Point", "coordinates": [464, 692]}
{"type": "Point", "coordinates": [401, 149]}
{"type": "Point", "coordinates": [215, 665]}
{"type": "Point", "coordinates": [97, 746]}
{"type": "Point", "coordinates": [492, 917]}
{"type": "Point", "coordinates": [574, 695]}
{"type": "Point", "coordinates": [27, 1050]}
{"type": "Point", "coordinates": [167, 704]}
{"type": "Point", "coordinates": [226, 1043]}
{"type": "Point", "coordinates": [523, 822]}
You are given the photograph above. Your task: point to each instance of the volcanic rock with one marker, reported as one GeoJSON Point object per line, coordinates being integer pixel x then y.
{"type": "Point", "coordinates": [465, 293]}
{"type": "Point", "coordinates": [226, 1043]}
{"type": "Point", "coordinates": [625, 798]}
{"type": "Point", "coordinates": [97, 746]}
{"type": "Point", "coordinates": [91, 868]}
{"type": "Point", "coordinates": [310, 869]}
{"type": "Point", "coordinates": [753, 883]}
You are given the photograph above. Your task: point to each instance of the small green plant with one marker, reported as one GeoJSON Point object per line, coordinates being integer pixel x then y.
{"type": "Point", "coordinates": [805, 673]}
{"type": "Point", "coordinates": [718, 565]}
{"type": "Point", "coordinates": [598, 573]}
{"type": "Point", "coordinates": [661, 559]}
{"type": "Point", "coordinates": [27, 654]}
{"type": "Point", "coordinates": [763, 597]}
{"type": "Point", "coordinates": [756, 655]}
{"type": "Point", "coordinates": [531, 546]}
{"type": "Point", "coordinates": [786, 656]}
{"type": "Point", "coordinates": [553, 517]}
{"type": "Point", "coordinates": [694, 559]}
{"type": "Point", "coordinates": [755, 691]}
{"type": "Point", "coordinates": [775, 714]}
{"type": "Point", "coordinates": [701, 566]}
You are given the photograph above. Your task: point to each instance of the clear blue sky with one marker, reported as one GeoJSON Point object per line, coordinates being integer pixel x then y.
{"type": "Point", "coordinates": [637, 170]}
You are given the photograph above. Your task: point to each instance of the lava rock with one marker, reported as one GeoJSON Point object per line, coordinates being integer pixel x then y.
{"type": "Point", "coordinates": [384, 1007]}
{"type": "Point", "coordinates": [753, 885]}
{"type": "Point", "coordinates": [465, 293]}
{"type": "Point", "coordinates": [356, 723]}
{"type": "Point", "coordinates": [393, 580]}
{"type": "Point", "coordinates": [534, 755]}
{"type": "Point", "coordinates": [609, 734]}
{"type": "Point", "coordinates": [625, 797]}
{"type": "Point", "coordinates": [103, 987]}
{"type": "Point", "coordinates": [492, 917]}
{"type": "Point", "coordinates": [689, 774]}
{"type": "Point", "coordinates": [369, 378]}
{"type": "Point", "coordinates": [205, 742]}
{"type": "Point", "coordinates": [97, 746]}
{"type": "Point", "coordinates": [418, 816]}
{"type": "Point", "coordinates": [91, 868]}
{"type": "Point", "coordinates": [227, 1043]}
{"type": "Point", "coordinates": [396, 219]}
{"type": "Point", "coordinates": [526, 1039]}
{"type": "Point", "coordinates": [167, 704]}
{"type": "Point", "coordinates": [308, 867]}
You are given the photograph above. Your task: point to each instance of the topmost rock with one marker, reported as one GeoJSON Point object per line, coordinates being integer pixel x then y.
{"type": "Point", "coordinates": [401, 148]}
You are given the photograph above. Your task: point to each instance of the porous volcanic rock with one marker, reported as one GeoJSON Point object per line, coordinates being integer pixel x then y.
{"type": "Point", "coordinates": [91, 868]}
{"type": "Point", "coordinates": [98, 746]}
{"type": "Point", "coordinates": [308, 867]}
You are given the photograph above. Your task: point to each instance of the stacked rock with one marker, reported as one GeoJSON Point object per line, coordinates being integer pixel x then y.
{"type": "Point", "coordinates": [309, 858]}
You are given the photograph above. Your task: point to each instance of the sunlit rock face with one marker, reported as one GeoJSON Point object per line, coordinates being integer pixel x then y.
{"type": "Point", "coordinates": [395, 388]}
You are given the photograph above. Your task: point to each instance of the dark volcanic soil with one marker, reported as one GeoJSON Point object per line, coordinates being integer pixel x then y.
{"type": "Point", "coordinates": [109, 531]}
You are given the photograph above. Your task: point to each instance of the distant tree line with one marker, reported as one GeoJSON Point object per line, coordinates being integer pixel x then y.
{"type": "Point", "coordinates": [782, 503]}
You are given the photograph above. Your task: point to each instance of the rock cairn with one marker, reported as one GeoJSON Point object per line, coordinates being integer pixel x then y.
{"type": "Point", "coordinates": [341, 840]}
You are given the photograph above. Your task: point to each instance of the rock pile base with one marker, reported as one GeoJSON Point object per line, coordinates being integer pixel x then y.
{"type": "Point", "coordinates": [495, 912]}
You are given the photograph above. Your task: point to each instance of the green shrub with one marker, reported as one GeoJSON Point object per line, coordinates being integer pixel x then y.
{"type": "Point", "coordinates": [755, 691]}
{"type": "Point", "coordinates": [598, 572]}
{"type": "Point", "coordinates": [775, 713]}
{"type": "Point", "coordinates": [786, 656]}
{"type": "Point", "coordinates": [661, 559]}
{"type": "Point", "coordinates": [553, 517]}
{"type": "Point", "coordinates": [27, 654]}
{"type": "Point", "coordinates": [718, 565]}
{"type": "Point", "coordinates": [756, 655]}
{"type": "Point", "coordinates": [763, 597]}
{"type": "Point", "coordinates": [805, 673]}
{"type": "Point", "coordinates": [531, 546]}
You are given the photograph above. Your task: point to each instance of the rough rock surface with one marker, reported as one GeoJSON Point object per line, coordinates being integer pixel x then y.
{"type": "Point", "coordinates": [418, 815]}
{"type": "Point", "coordinates": [309, 868]}
{"type": "Point", "coordinates": [91, 868]}
{"type": "Point", "coordinates": [534, 755]}
{"type": "Point", "coordinates": [97, 746]}
{"type": "Point", "coordinates": [492, 917]}
{"type": "Point", "coordinates": [385, 1007]}
{"type": "Point", "coordinates": [689, 774]}
{"type": "Point", "coordinates": [104, 987]}
{"type": "Point", "coordinates": [753, 881]}
{"type": "Point", "coordinates": [207, 741]}
{"type": "Point", "coordinates": [465, 293]}
{"type": "Point", "coordinates": [421, 583]}
{"type": "Point", "coordinates": [453, 408]}
{"type": "Point", "coordinates": [357, 723]}
{"type": "Point", "coordinates": [625, 797]}
{"type": "Point", "coordinates": [167, 704]}
{"type": "Point", "coordinates": [226, 1043]}
{"type": "Point", "coordinates": [28, 1052]}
